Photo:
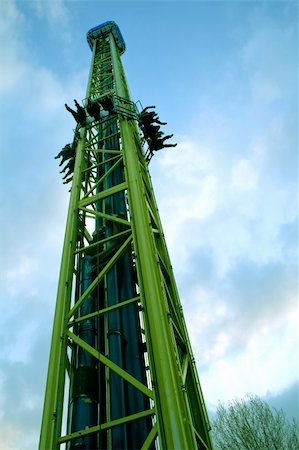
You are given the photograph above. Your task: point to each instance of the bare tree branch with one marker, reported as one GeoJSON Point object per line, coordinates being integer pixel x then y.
{"type": "Point", "coordinates": [251, 424]}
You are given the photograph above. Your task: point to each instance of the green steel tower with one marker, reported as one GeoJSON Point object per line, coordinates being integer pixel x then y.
{"type": "Point", "coordinates": [121, 372]}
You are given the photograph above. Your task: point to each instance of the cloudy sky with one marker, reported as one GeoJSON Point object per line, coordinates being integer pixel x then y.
{"type": "Point", "coordinates": [224, 77]}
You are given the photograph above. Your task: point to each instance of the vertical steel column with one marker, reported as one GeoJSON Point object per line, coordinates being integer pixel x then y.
{"type": "Point", "coordinates": [53, 404]}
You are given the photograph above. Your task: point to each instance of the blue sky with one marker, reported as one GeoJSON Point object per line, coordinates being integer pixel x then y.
{"type": "Point", "coordinates": [224, 77]}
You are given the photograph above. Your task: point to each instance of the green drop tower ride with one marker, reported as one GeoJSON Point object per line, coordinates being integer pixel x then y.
{"type": "Point", "coordinates": [121, 372]}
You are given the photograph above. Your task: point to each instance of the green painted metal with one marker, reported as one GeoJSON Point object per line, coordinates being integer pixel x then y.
{"type": "Point", "coordinates": [102, 241]}
{"type": "Point", "coordinates": [53, 404]}
{"type": "Point", "coordinates": [150, 438]}
{"type": "Point", "coordinates": [105, 310]}
{"type": "Point", "coordinates": [101, 275]}
{"type": "Point", "coordinates": [179, 418]}
{"type": "Point", "coordinates": [122, 373]}
{"type": "Point", "coordinates": [102, 195]}
{"type": "Point", "coordinates": [111, 424]}
{"type": "Point", "coordinates": [107, 217]}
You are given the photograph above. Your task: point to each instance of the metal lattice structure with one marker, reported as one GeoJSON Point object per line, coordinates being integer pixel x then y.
{"type": "Point", "coordinates": [121, 372]}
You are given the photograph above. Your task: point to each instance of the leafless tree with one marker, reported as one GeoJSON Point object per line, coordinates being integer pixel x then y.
{"type": "Point", "coordinates": [251, 424]}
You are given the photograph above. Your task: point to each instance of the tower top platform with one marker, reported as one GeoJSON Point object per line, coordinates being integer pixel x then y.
{"type": "Point", "coordinates": [106, 28]}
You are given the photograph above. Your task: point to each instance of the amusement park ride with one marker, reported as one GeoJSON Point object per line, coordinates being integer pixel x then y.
{"type": "Point", "coordinates": [121, 371]}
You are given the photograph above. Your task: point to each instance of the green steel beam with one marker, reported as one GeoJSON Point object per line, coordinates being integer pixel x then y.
{"type": "Point", "coordinates": [118, 370]}
{"type": "Point", "coordinates": [147, 445]}
{"type": "Point", "coordinates": [53, 404]}
{"type": "Point", "coordinates": [101, 275]}
{"type": "Point", "coordinates": [104, 177]}
{"type": "Point", "coordinates": [107, 193]}
{"type": "Point", "coordinates": [107, 217]}
{"type": "Point", "coordinates": [87, 235]}
{"type": "Point", "coordinates": [109, 425]}
{"type": "Point", "coordinates": [102, 241]}
{"type": "Point", "coordinates": [115, 152]}
{"type": "Point", "coordinates": [185, 368]}
{"type": "Point", "coordinates": [101, 163]}
{"type": "Point", "coordinates": [201, 440]}
{"type": "Point", "coordinates": [104, 310]}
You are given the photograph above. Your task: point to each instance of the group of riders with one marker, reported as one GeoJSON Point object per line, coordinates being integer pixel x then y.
{"type": "Point", "coordinates": [148, 121]}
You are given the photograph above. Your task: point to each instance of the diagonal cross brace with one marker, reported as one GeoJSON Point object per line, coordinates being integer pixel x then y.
{"type": "Point", "coordinates": [111, 424]}
{"type": "Point", "coordinates": [101, 275]}
{"type": "Point", "coordinates": [117, 369]}
{"type": "Point", "coordinates": [102, 195]}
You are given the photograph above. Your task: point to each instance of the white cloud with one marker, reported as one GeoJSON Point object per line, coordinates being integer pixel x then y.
{"type": "Point", "coordinates": [265, 89]}
{"type": "Point", "coordinates": [21, 76]}
{"type": "Point", "coordinates": [55, 12]}
{"type": "Point", "coordinates": [22, 270]}
{"type": "Point", "coordinates": [186, 188]}
{"type": "Point", "coordinates": [233, 204]}
{"type": "Point", "coordinates": [234, 188]}
{"type": "Point", "coordinates": [11, 16]}
{"type": "Point", "coordinates": [257, 368]}
{"type": "Point", "coordinates": [270, 54]}
{"type": "Point", "coordinates": [56, 16]}
{"type": "Point", "coordinates": [244, 175]}
{"type": "Point", "coordinates": [11, 435]}
{"type": "Point", "coordinates": [12, 67]}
